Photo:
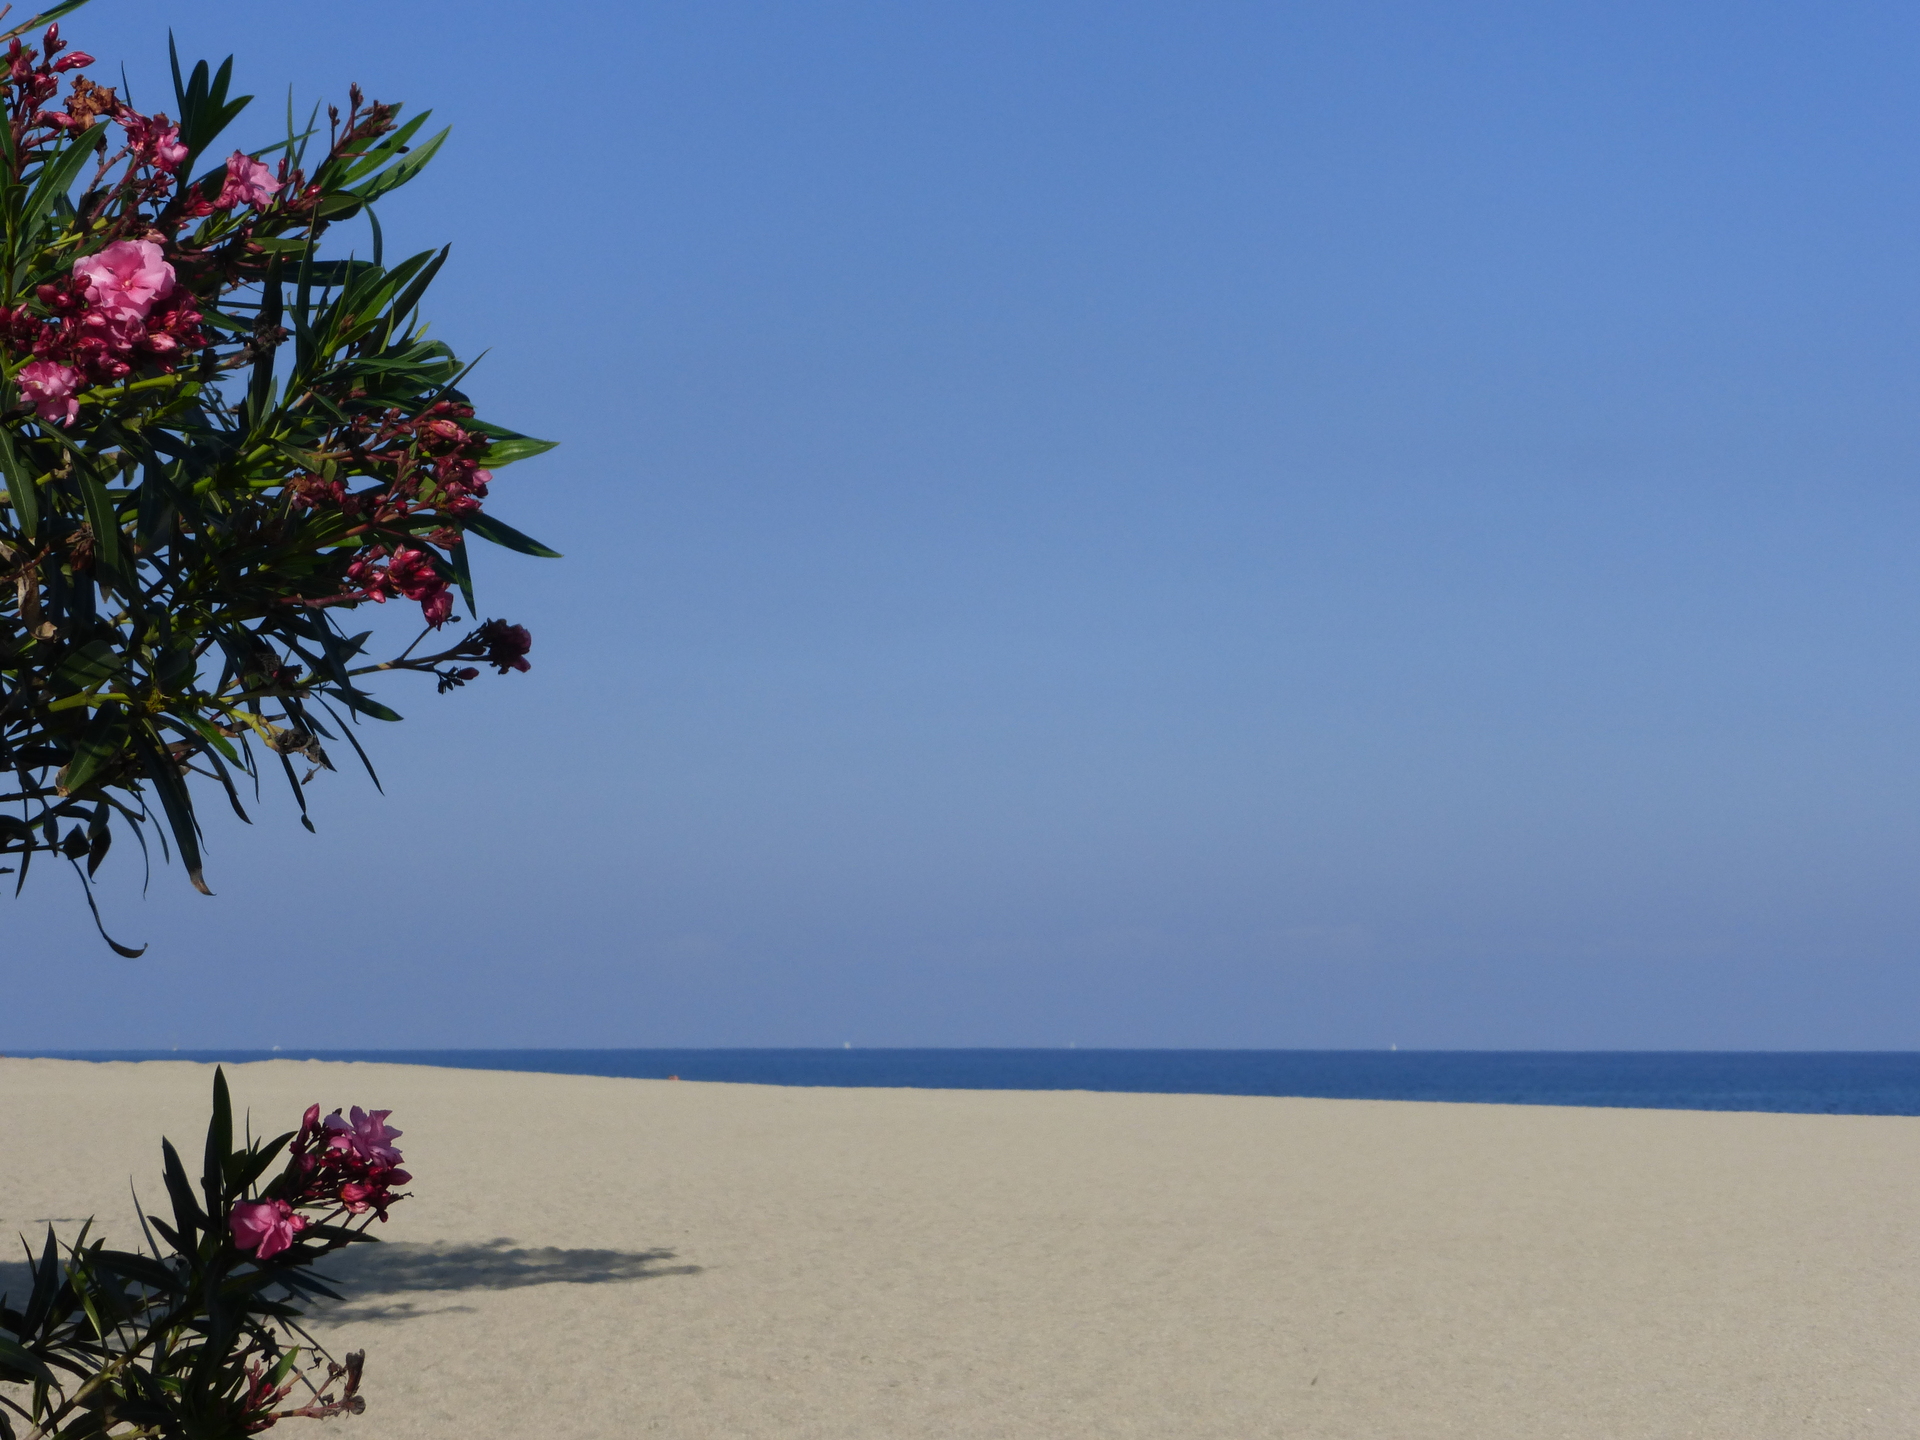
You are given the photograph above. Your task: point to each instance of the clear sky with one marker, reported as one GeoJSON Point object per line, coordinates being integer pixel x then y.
{"type": "Point", "coordinates": [1316, 525]}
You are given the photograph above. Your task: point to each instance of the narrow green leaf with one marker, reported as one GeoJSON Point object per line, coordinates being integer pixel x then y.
{"type": "Point", "coordinates": [101, 516]}
{"type": "Point", "coordinates": [188, 1220]}
{"type": "Point", "coordinates": [178, 805]}
{"type": "Point", "coordinates": [363, 702]}
{"type": "Point", "coordinates": [20, 489]}
{"type": "Point", "coordinates": [99, 744]}
{"type": "Point", "coordinates": [45, 17]}
{"type": "Point", "coordinates": [409, 299]}
{"type": "Point", "coordinates": [394, 176]}
{"type": "Point", "coordinates": [463, 576]}
{"type": "Point", "coordinates": [252, 1164]}
{"type": "Point", "coordinates": [20, 1365]}
{"type": "Point", "coordinates": [46, 1283]}
{"type": "Point", "coordinates": [219, 1147]}
{"type": "Point", "coordinates": [61, 169]}
{"type": "Point", "coordinates": [501, 533]}
{"type": "Point", "coordinates": [260, 391]}
{"type": "Point", "coordinates": [92, 664]}
{"type": "Point", "coordinates": [519, 447]}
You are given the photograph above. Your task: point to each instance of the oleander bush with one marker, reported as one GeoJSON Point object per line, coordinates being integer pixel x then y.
{"type": "Point", "coordinates": [221, 441]}
{"type": "Point", "coordinates": [198, 1336]}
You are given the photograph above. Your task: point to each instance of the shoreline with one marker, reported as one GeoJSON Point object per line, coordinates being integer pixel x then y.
{"type": "Point", "coordinates": [1759, 1082]}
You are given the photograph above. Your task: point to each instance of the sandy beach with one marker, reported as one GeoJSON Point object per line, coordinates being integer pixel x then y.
{"type": "Point", "coordinates": [601, 1257]}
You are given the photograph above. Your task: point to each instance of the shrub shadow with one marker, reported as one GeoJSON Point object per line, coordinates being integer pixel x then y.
{"type": "Point", "coordinates": [373, 1276]}
{"type": "Point", "coordinates": [16, 1281]}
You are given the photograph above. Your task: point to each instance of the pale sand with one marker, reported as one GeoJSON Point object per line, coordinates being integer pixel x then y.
{"type": "Point", "coordinates": [593, 1257]}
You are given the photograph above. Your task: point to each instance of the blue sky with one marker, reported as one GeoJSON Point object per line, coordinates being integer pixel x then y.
{"type": "Point", "coordinates": [1250, 525]}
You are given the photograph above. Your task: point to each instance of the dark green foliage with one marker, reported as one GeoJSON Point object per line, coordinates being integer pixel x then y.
{"type": "Point", "coordinates": [190, 1339]}
{"type": "Point", "coordinates": [176, 553]}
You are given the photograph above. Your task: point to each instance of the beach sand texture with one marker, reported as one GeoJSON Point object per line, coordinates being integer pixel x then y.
{"type": "Point", "coordinates": [601, 1257]}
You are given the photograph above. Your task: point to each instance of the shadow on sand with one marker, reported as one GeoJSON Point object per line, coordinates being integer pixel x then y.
{"type": "Point", "coordinates": [375, 1278]}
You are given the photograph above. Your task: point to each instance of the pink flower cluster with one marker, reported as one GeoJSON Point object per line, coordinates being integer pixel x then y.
{"type": "Point", "coordinates": [348, 1162]}
{"type": "Point", "coordinates": [351, 1160]}
{"type": "Point", "coordinates": [121, 307]}
{"type": "Point", "coordinates": [153, 143]}
{"type": "Point", "coordinates": [432, 465]}
{"type": "Point", "coordinates": [31, 77]}
{"type": "Point", "coordinates": [152, 140]}
{"type": "Point", "coordinates": [410, 573]}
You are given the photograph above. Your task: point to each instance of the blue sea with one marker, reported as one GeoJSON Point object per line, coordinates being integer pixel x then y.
{"type": "Point", "coordinates": [1796, 1082]}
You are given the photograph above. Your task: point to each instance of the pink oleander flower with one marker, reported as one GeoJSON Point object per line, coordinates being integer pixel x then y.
{"type": "Point", "coordinates": [51, 387]}
{"type": "Point", "coordinates": [248, 183]}
{"type": "Point", "coordinates": [364, 1134]}
{"type": "Point", "coordinates": [266, 1227]}
{"type": "Point", "coordinates": [125, 279]}
{"type": "Point", "coordinates": [437, 609]}
{"type": "Point", "coordinates": [154, 138]}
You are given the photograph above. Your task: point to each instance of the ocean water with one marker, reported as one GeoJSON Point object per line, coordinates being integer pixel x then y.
{"type": "Point", "coordinates": [1796, 1082]}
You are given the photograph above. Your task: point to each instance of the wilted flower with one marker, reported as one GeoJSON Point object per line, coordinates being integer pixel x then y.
{"type": "Point", "coordinates": [506, 645]}
{"type": "Point", "coordinates": [262, 1395]}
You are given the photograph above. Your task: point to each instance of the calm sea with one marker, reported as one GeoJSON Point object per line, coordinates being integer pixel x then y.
{"type": "Point", "coordinates": [1800, 1082]}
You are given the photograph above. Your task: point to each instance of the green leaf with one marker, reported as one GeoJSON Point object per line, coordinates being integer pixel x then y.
{"type": "Point", "coordinates": [90, 665]}
{"type": "Point", "coordinates": [190, 723]}
{"type": "Point", "coordinates": [253, 1163]}
{"type": "Point", "coordinates": [46, 1284]}
{"type": "Point", "coordinates": [501, 533]}
{"type": "Point", "coordinates": [178, 804]}
{"type": "Point", "coordinates": [61, 169]}
{"type": "Point", "coordinates": [394, 176]}
{"type": "Point", "coordinates": [204, 108]}
{"type": "Point", "coordinates": [20, 488]}
{"type": "Point", "coordinates": [20, 1365]}
{"type": "Point", "coordinates": [101, 516]}
{"type": "Point", "coordinates": [409, 299]}
{"type": "Point", "coordinates": [389, 145]}
{"type": "Point", "coordinates": [260, 391]}
{"type": "Point", "coordinates": [463, 575]}
{"type": "Point", "coordinates": [363, 702]}
{"type": "Point", "coordinates": [99, 744]}
{"type": "Point", "coordinates": [141, 1268]}
{"type": "Point", "coordinates": [188, 1220]}
{"type": "Point", "coordinates": [45, 17]}
{"type": "Point", "coordinates": [219, 1147]}
{"type": "Point", "coordinates": [518, 447]}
